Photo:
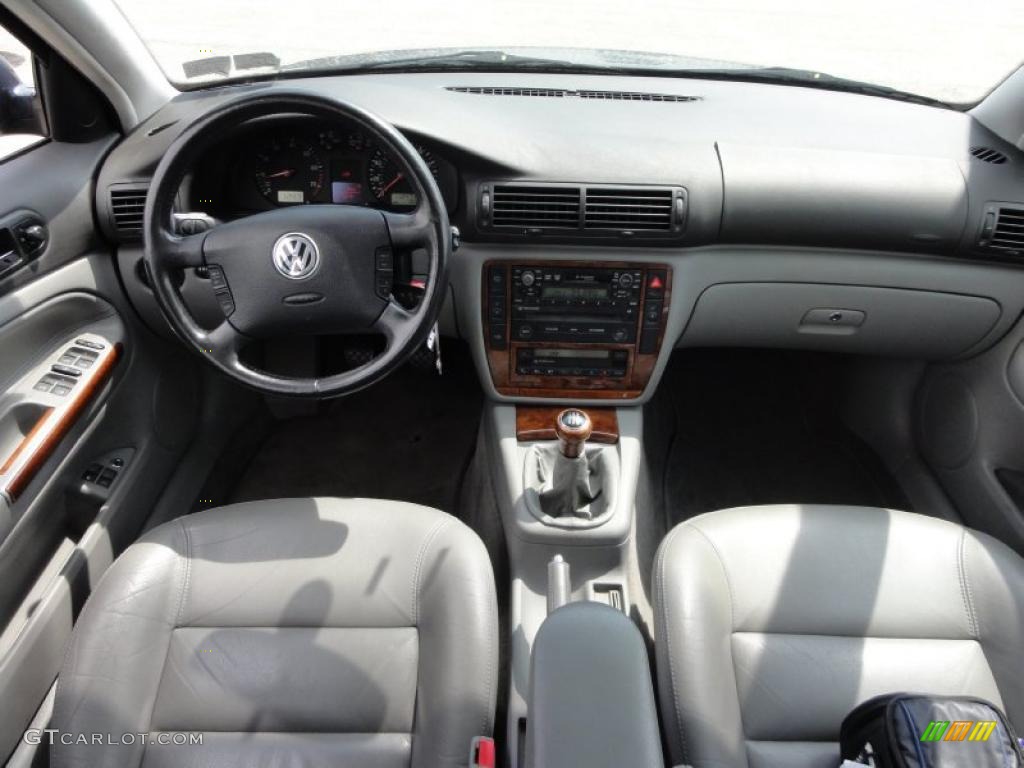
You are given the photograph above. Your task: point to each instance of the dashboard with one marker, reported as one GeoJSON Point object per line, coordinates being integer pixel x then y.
{"type": "Point", "coordinates": [740, 214]}
{"type": "Point", "coordinates": [298, 161]}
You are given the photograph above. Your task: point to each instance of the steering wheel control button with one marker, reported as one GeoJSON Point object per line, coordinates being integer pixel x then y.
{"type": "Point", "coordinates": [296, 256]}
{"type": "Point", "coordinates": [384, 271]}
{"type": "Point", "coordinates": [385, 260]}
{"type": "Point", "coordinates": [221, 290]}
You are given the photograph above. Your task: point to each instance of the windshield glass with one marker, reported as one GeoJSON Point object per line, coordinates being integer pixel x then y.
{"type": "Point", "coordinates": [953, 51]}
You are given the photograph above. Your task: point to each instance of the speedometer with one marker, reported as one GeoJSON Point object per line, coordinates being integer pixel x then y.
{"type": "Point", "coordinates": [388, 182]}
{"type": "Point", "coordinates": [289, 171]}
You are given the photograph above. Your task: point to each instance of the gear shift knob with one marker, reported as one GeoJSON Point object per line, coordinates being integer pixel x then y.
{"type": "Point", "coordinates": [573, 427]}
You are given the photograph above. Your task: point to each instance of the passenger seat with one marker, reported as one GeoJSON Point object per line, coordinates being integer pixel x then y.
{"type": "Point", "coordinates": [772, 623]}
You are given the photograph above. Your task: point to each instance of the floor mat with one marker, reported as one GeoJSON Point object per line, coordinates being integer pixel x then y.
{"type": "Point", "coordinates": [409, 438]}
{"type": "Point", "coordinates": [751, 427]}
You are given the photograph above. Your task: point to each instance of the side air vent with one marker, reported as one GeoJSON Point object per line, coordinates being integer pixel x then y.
{"type": "Point", "coordinates": [127, 206]}
{"type": "Point", "coordinates": [1003, 229]}
{"type": "Point", "coordinates": [563, 93]}
{"type": "Point", "coordinates": [569, 211]}
{"type": "Point", "coordinates": [629, 209]}
{"type": "Point", "coordinates": [535, 207]}
{"type": "Point", "coordinates": [989, 155]}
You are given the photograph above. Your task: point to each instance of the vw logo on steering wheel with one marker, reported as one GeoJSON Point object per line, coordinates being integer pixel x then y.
{"type": "Point", "coordinates": [296, 255]}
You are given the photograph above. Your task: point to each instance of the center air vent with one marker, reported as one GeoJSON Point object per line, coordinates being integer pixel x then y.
{"type": "Point", "coordinates": [544, 206]}
{"type": "Point", "coordinates": [565, 93]}
{"type": "Point", "coordinates": [127, 207]}
{"type": "Point", "coordinates": [629, 209]}
{"type": "Point", "coordinates": [579, 210]}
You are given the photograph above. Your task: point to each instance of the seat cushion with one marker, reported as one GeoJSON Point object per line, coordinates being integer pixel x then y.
{"type": "Point", "coordinates": [313, 632]}
{"type": "Point", "coordinates": [772, 623]}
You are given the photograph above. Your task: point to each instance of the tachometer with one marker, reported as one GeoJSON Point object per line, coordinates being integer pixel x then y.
{"type": "Point", "coordinates": [289, 171]}
{"type": "Point", "coordinates": [388, 182]}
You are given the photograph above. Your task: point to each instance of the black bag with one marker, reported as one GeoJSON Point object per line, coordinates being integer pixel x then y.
{"type": "Point", "coordinates": [904, 730]}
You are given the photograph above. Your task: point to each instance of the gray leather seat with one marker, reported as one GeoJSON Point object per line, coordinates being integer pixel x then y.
{"type": "Point", "coordinates": [312, 632]}
{"type": "Point", "coordinates": [773, 622]}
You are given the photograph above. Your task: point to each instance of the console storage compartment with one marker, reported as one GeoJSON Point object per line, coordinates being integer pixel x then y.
{"type": "Point", "coordinates": [591, 698]}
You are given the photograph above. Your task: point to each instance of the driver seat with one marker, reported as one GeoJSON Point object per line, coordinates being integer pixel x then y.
{"type": "Point", "coordinates": [313, 632]}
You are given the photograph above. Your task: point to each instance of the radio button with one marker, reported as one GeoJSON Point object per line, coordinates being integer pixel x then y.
{"type": "Point", "coordinates": [528, 278]}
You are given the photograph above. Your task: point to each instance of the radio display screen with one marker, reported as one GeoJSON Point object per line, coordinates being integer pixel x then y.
{"type": "Point", "coordinates": [575, 291]}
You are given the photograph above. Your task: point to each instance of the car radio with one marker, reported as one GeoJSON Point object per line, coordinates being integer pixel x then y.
{"type": "Point", "coordinates": [558, 328]}
{"type": "Point", "coordinates": [575, 304]}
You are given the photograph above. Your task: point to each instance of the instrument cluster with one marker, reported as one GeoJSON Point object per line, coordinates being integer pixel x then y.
{"type": "Point", "coordinates": [299, 162]}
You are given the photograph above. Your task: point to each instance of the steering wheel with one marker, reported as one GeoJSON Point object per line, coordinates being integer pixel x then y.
{"type": "Point", "coordinates": [302, 270]}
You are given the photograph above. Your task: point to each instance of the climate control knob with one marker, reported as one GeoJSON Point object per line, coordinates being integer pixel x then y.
{"type": "Point", "coordinates": [528, 278]}
{"type": "Point", "coordinates": [625, 280]}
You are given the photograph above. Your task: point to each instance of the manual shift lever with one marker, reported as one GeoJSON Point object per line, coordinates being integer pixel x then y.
{"type": "Point", "coordinates": [568, 489]}
{"type": "Point", "coordinates": [573, 428]}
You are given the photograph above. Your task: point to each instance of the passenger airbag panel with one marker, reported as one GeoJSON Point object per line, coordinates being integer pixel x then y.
{"type": "Point", "coordinates": [798, 196]}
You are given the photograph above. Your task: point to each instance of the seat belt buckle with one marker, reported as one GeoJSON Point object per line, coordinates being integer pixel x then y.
{"type": "Point", "coordinates": [481, 752]}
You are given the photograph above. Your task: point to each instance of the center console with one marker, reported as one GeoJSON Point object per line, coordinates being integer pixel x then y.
{"type": "Point", "coordinates": [564, 329]}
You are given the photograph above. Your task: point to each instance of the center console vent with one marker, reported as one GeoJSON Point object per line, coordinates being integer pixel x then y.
{"type": "Point", "coordinates": [629, 209]}
{"type": "Point", "coordinates": [542, 207]}
{"type": "Point", "coordinates": [127, 207]}
{"type": "Point", "coordinates": [1003, 229]}
{"type": "Point", "coordinates": [581, 211]}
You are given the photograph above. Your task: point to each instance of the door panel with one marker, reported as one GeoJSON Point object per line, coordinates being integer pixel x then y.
{"type": "Point", "coordinates": [81, 469]}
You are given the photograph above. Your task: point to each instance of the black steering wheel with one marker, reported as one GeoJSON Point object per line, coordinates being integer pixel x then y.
{"type": "Point", "coordinates": [303, 270]}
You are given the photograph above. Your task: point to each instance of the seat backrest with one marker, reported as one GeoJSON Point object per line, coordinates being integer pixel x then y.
{"type": "Point", "coordinates": [774, 622]}
{"type": "Point", "coordinates": [314, 631]}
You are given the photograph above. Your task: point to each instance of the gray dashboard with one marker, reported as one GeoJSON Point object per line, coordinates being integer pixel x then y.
{"type": "Point", "coordinates": [877, 205]}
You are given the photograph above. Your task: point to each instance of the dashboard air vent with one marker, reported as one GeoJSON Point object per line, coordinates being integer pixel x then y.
{"type": "Point", "coordinates": [127, 206]}
{"type": "Point", "coordinates": [535, 206]}
{"type": "Point", "coordinates": [581, 211]}
{"type": "Point", "coordinates": [1003, 229]}
{"type": "Point", "coordinates": [563, 93]}
{"type": "Point", "coordinates": [989, 155]}
{"type": "Point", "coordinates": [629, 209]}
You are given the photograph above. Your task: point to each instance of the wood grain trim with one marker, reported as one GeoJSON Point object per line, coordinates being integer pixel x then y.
{"type": "Point", "coordinates": [639, 369]}
{"type": "Point", "coordinates": [537, 422]}
{"type": "Point", "coordinates": [41, 442]}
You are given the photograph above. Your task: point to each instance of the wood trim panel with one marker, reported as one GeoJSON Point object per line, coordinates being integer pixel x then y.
{"type": "Point", "coordinates": [639, 369]}
{"type": "Point", "coordinates": [537, 422]}
{"type": "Point", "coordinates": [54, 424]}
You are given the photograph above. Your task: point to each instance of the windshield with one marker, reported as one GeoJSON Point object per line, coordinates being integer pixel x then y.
{"type": "Point", "coordinates": [952, 51]}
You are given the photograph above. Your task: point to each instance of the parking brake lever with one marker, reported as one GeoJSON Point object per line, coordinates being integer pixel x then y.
{"type": "Point", "coordinates": [559, 585]}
